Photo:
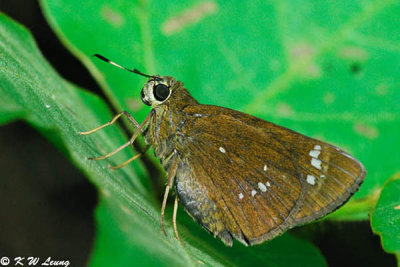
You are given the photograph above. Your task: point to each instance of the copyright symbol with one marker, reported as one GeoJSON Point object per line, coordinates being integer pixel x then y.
{"type": "Point", "coordinates": [4, 261]}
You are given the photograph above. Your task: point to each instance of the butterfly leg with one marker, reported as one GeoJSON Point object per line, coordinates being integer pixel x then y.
{"type": "Point", "coordinates": [131, 140]}
{"type": "Point", "coordinates": [112, 153]}
{"type": "Point", "coordinates": [131, 159]}
{"type": "Point", "coordinates": [174, 218]}
{"type": "Point", "coordinates": [171, 176]}
{"type": "Point", "coordinates": [129, 116]}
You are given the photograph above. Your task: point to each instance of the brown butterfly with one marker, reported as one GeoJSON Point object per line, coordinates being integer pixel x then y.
{"type": "Point", "coordinates": [238, 176]}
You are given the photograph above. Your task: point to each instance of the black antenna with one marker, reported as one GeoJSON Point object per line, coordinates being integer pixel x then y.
{"type": "Point", "coordinates": [121, 67]}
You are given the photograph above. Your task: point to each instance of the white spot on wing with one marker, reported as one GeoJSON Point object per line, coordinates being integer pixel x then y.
{"type": "Point", "coordinates": [317, 147]}
{"type": "Point", "coordinates": [314, 153]}
{"type": "Point", "coordinates": [253, 193]}
{"type": "Point", "coordinates": [268, 184]}
{"type": "Point", "coordinates": [265, 168]}
{"type": "Point", "coordinates": [222, 149]}
{"type": "Point", "coordinates": [310, 179]}
{"type": "Point", "coordinates": [240, 196]}
{"type": "Point", "coordinates": [262, 187]}
{"type": "Point", "coordinates": [316, 163]}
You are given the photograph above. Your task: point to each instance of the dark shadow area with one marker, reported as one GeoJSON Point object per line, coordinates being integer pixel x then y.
{"type": "Point", "coordinates": [46, 204]}
{"type": "Point", "coordinates": [29, 14]}
{"type": "Point", "coordinates": [346, 243]}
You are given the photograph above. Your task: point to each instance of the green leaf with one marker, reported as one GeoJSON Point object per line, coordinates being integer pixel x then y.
{"type": "Point", "coordinates": [128, 215]}
{"type": "Point", "coordinates": [326, 69]}
{"type": "Point", "coordinates": [30, 89]}
{"type": "Point", "coordinates": [121, 245]}
{"type": "Point", "coordinates": [385, 219]}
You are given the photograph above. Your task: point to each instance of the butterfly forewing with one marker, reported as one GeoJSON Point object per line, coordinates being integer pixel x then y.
{"type": "Point", "coordinates": [332, 176]}
{"type": "Point", "coordinates": [239, 192]}
{"type": "Point", "coordinates": [265, 178]}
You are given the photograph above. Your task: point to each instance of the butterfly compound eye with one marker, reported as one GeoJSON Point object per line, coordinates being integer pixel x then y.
{"type": "Point", "coordinates": [161, 92]}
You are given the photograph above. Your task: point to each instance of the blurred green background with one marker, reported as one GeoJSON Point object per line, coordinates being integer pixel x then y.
{"type": "Point", "coordinates": [327, 69]}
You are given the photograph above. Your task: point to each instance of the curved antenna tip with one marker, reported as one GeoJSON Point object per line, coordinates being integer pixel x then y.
{"type": "Point", "coordinates": [121, 67]}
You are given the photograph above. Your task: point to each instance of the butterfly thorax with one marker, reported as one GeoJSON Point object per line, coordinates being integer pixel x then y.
{"type": "Point", "coordinates": [165, 129]}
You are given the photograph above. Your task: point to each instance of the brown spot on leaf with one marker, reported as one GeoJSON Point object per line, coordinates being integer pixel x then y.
{"type": "Point", "coordinates": [113, 17]}
{"type": "Point", "coordinates": [381, 89]}
{"type": "Point", "coordinates": [105, 193]}
{"type": "Point", "coordinates": [329, 98]}
{"type": "Point", "coordinates": [188, 17]}
{"type": "Point", "coordinates": [284, 109]}
{"type": "Point", "coordinates": [125, 209]}
{"type": "Point", "coordinates": [368, 131]}
{"type": "Point", "coordinates": [304, 52]}
{"type": "Point", "coordinates": [353, 53]}
{"type": "Point", "coordinates": [134, 104]}
{"type": "Point", "coordinates": [397, 207]}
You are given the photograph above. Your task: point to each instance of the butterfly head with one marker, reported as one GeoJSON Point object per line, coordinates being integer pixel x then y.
{"type": "Point", "coordinates": [157, 90]}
